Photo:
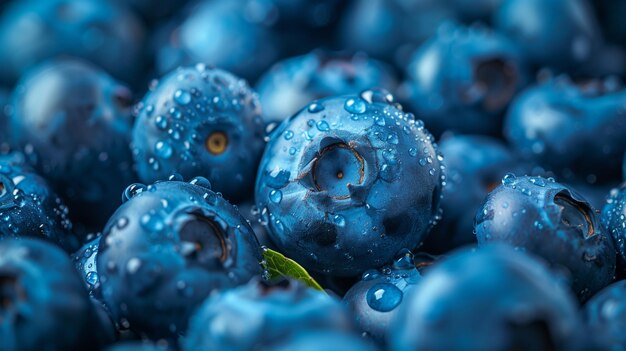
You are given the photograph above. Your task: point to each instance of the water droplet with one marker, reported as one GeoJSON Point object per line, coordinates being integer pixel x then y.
{"type": "Point", "coordinates": [276, 196]}
{"type": "Point", "coordinates": [413, 152]}
{"type": "Point", "coordinates": [152, 222]}
{"type": "Point", "coordinates": [353, 105]}
{"type": "Point", "coordinates": [182, 97]}
{"type": "Point", "coordinates": [370, 274]}
{"type": "Point", "coordinates": [160, 122]}
{"type": "Point", "coordinates": [509, 179]}
{"type": "Point", "coordinates": [384, 297]}
{"type": "Point", "coordinates": [288, 135]}
{"type": "Point", "coordinates": [163, 149]}
{"type": "Point", "coordinates": [92, 278]}
{"type": "Point", "coordinates": [404, 260]}
{"type": "Point", "coordinates": [292, 151]}
{"type": "Point", "coordinates": [201, 181]}
{"type": "Point", "coordinates": [315, 107]}
{"type": "Point", "coordinates": [339, 220]}
{"type": "Point", "coordinates": [538, 181]}
{"type": "Point", "coordinates": [132, 191]}
{"type": "Point", "coordinates": [323, 126]}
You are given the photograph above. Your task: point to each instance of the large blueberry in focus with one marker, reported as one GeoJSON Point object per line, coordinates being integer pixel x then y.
{"type": "Point", "coordinates": [494, 298]}
{"type": "Point", "coordinates": [614, 218]}
{"type": "Point", "coordinates": [571, 129]}
{"type": "Point", "coordinates": [291, 84]}
{"type": "Point", "coordinates": [605, 315]}
{"type": "Point", "coordinates": [234, 35]}
{"type": "Point", "coordinates": [74, 122]}
{"type": "Point", "coordinates": [28, 207]}
{"type": "Point", "coordinates": [166, 249]}
{"type": "Point", "coordinates": [348, 182]}
{"type": "Point", "coordinates": [44, 305]}
{"type": "Point", "coordinates": [463, 79]}
{"type": "Point", "coordinates": [391, 29]}
{"type": "Point", "coordinates": [261, 315]}
{"type": "Point", "coordinates": [103, 32]}
{"type": "Point", "coordinates": [200, 121]}
{"type": "Point", "coordinates": [561, 34]}
{"type": "Point", "coordinates": [376, 299]}
{"type": "Point", "coordinates": [554, 222]}
{"type": "Point", "coordinates": [474, 166]}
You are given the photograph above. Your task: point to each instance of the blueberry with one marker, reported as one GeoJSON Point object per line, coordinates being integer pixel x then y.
{"type": "Point", "coordinates": [291, 84]}
{"type": "Point", "coordinates": [376, 299]}
{"type": "Point", "coordinates": [474, 166]}
{"type": "Point", "coordinates": [85, 263]}
{"type": "Point", "coordinates": [166, 249]}
{"type": "Point", "coordinates": [550, 220]}
{"type": "Point", "coordinates": [463, 79]}
{"type": "Point", "coordinates": [73, 122]}
{"type": "Point", "coordinates": [325, 340]}
{"type": "Point", "coordinates": [614, 218]}
{"type": "Point", "coordinates": [494, 298]}
{"type": "Point", "coordinates": [206, 34]}
{"type": "Point", "coordinates": [44, 304]}
{"type": "Point", "coordinates": [348, 182]}
{"type": "Point", "coordinates": [572, 129]}
{"type": "Point", "coordinates": [103, 32]}
{"type": "Point", "coordinates": [605, 316]}
{"type": "Point", "coordinates": [561, 34]}
{"type": "Point", "coordinates": [29, 208]}
{"type": "Point", "coordinates": [391, 29]}
{"type": "Point", "coordinates": [261, 315]}
{"type": "Point", "coordinates": [200, 121]}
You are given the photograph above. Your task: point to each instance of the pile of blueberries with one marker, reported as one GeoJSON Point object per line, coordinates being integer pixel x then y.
{"type": "Point", "coordinates": [328, 175]}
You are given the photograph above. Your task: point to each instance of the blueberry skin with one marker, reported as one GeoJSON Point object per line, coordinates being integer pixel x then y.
{"type": "Point", "coordinates": [577, 131]}
{"type": "Point", "coordinates": [206, 35]}
{"type": "Point", "coordinates": [391, 29]}
{"type": "Point", "coordinates": [166, 249]}
{"type": "Point", "coordinates": [91, 168]}
{"type": "Point", "coordinates": [494, 298]}
{"type": "Point", "coordinates": [200, 121]}
{"type": "Point", "coordinates": [348, 182]}
{"type": "Point", "coordinates": [103, 32]}
{"type": "Point", "coordinates": [326, 341]}
{"type": "Point", "coordinates": [29, 207]}
{"type": "Point", "coordinates": [292, 83]}
{"type": "Point", "coordinates": [463, 79]}
{"type": "Point", "coordinates": [613, 218]}
{"type": "Point", "coordinates": [39, 288]}
{"type": "Point", "coordinates": [85, 262]}
{"type": "Point", "coordinates": [605, 316]}
{"type": "Point", "coordinates": [261, 315]}
{"type": "Point", "coordinates": [554, 222]}
{"type": "Point", "coordinates": [474, 166]}
{"type": "Point", "coordinates": [560, 34]}
{"type": "Point", "coordinates": [376, 299]}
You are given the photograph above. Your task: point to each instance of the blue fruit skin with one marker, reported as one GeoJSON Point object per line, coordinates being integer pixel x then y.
{"type": "Point", "coordinates": [90, 168]}
{"type": "Point", "coordinates": [561, 34]}
{"type": "Point", "coordinates": [474, 166]}
{"type": "Point", "coordinates": [85, 262]}
{"type": "Point", "coordinates": [325, 183]}
{"type": "Point", "coordinates": [29, 208]}
{"type": "Point", "coordinates": [325, 340]}
{"type": "Point", "coordinates": [573, 130]}
{"type": "Point", "coordinates": [166, 249]}
{"type": "Point", "coordinates": [391, 29]}
{"type": "Point", "coordinates": [613, 218]}
{"type": "Point", "coordinates": [605, 317]}
{"type": "Point", "coordinates": [554, 222]}
{"type": "Point", "coordinates": [103, 32]}
{"type": "Point", "coordinates": [376, 299]}
{"type": "Point", "coordinates": [292, 83]}
{"type": "Point", "coordinates": [493, 298]}
{"type": "Point", "coordinates": [463, 79]}
{"type": "Point", "coordinates": [40, 288]}
{"type": "Point", "coordinates": [261, 315]}
{"type": "Point", "coordinates": [179, 115]}
{"type": "Point", "coordinates": [206, 35]}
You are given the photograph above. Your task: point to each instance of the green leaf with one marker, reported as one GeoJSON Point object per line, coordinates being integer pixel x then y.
{"type": "Point", "coordinates": [277, 265]}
